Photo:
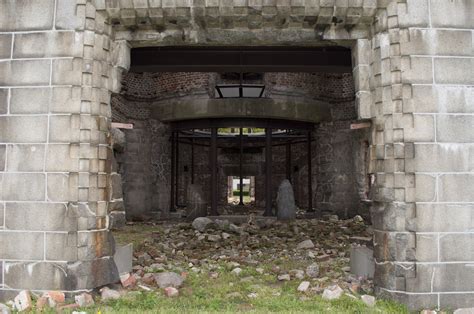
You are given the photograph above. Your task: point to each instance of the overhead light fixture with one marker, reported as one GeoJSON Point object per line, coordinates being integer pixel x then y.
{"type": "Point", "coordinates": [240, 90]}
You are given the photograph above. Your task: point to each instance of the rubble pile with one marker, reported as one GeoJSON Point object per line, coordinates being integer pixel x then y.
{"type": "Point", "coordinates": [313, 253]}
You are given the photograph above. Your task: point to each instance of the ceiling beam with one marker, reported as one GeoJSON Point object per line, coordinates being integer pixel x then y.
{"type": "Point", "coordinates": [276, 59]}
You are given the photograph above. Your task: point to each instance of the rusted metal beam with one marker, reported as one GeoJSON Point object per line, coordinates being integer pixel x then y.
{"type": "Point", "coordinates": [241, 59]}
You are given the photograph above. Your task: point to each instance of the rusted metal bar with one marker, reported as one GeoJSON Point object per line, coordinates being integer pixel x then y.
{"type": "Point", "coordinates": [310, 176]}
{"type": "Point", "coordinates": [213, 165]}
{"type": "Point", "coordinates": [241, 179]}
{"type": "Point", "coordinates": [172, 199]}
{"type": "Point", "coordinates": [268, 173]}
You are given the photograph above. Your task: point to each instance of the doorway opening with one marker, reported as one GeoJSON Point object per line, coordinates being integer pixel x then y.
{"type": "Point", "coordinates": [241, 192]}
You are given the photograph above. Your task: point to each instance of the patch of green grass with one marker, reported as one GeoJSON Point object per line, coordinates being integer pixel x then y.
{"type": "Point", "coordinates": [201, 294]}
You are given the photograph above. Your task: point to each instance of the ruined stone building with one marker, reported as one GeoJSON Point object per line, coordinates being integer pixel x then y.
{"type": "Point", "coordinates": [365, 105]}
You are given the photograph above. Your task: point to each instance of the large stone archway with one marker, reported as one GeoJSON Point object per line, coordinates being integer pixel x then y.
{"type": "Point", "coordinates": [60, 60]}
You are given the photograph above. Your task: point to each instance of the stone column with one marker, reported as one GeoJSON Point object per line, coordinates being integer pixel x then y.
{"type": "Point", "coordinates": [419, 71]}
{"type": "Point", "coordinates": [56, 76]}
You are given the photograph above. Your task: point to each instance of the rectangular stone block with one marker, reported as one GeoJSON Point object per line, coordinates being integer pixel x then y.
{"type": "Point", "coordinates": [23, 129]}
{"type": "Point", "coordinates": [413, 13]}
{"type": "Point", "coordinates": [417, 70]}
{"type": "Point", "coordinates": [67, 72]}
{"type": "Point", "coordinates": [456, 247]}
{"type": "Point", "coordinates": [62, 158]}
{"type": "Point", "coordinates": [25, 157]}
{"type": "Point", "coordinates": [21, 245]}
{"type": "Point", "coordinates": [61, 246]}
{"type": "Point", "coordinates": [426, 247]}
{"type": "Point", "coordinates": [418, 128]}
{"type": "Point", "coordinates": [452, 14]}
{"type": "Point", "coordinates": [37, 275]}
{"type": "Point", "coordinates": [64, 129]}
{"type": "Point", "coordinates": [48, 44]}
{"type": "Point", "coordinates": [66, 100]}
{"type": "Point", "coordinates": [456, 300]}
{"type": "Point", "coordinates": [39, 217]}
{"type": "Point", "coordinates": [456, 188]}
{"type": "Point", "coordinates": [24, 72]}
{"type": "Point", "coordinates": [30, 100]}
{"type": "Point", "coordinates": [25, 15]}
{"type": "Point", "coordinates": [22, 187]}
{"type": "Point", "coordinates": [5, 46]}
{"type": "Point", "coordinates": [443, 99]}
{"type": "Point", "coordinates": [455, 128]}
{"type": "Point", "coordinates": [62, 187]}
{"type": "Point", "coordinates": [444, 217]}
{"type": "Point", "coordinates": [3, 101]}
{"type": "Point", "coordinates": [454, 71]}
{"type": "Point", "coordinates": [425, 188]}
{"type": "Point", "coordinates": [442, 278]}
{"type": "Point", "coordinates": [443, 157]}
{"type": "Point", "coordinates": [436, 42]}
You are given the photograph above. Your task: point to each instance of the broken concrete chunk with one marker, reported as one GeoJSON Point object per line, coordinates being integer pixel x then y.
{"type": "Point", "coordinates": [284, 277]}
{"type": "Point", "coordinates": [202, 223]}
{"type": "Point", "coordinates": [303, 286]}
{"type": "Point", "coordinates": [168, 279]}
{"type": "Point", "coordinates": [84, 300]}
{"type": "Point", "coordinates": [306, 244]}
{"type": "Point", "coordinates": [23, 301]}
{"type": "Point", "coordinates": [368, 300]}
{"type": "Point", "coordinates": [171, 292]}
{"type": "Point", "coordinates": [332, 293]}
{"type": "Point", "coordinates": [55, 298]}
{"type": "Point", "coordinates": [312, 270]}
{"type": "Point", "coordinates": [109, 294]}
{"type": "Point", "coordinates": [4, 309]}
{"type": "Point", "coordinates": [286, 206]}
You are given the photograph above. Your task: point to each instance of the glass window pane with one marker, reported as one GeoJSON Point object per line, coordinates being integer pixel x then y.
{"type": "Point", "coordinates": [253, 91]}
{"type": "Point", "coordinates": [229, 91]}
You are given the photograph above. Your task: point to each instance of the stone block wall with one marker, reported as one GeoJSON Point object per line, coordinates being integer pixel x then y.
{"type": "Point", "coordinates": [56, 76]}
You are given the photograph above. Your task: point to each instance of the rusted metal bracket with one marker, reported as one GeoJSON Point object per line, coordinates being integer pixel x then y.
{"type": "Point", "coordinates": [118, 125]}
{"type": "Point", "coordinates": [361, 125]}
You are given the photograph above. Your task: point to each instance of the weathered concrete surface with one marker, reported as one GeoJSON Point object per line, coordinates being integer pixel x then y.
{"type": "Point", "coordinates": [290, 108]}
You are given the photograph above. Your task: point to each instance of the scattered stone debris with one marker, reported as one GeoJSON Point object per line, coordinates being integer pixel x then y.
{"type": "Point", "coordinates": [464, 311]}
{"type": "Point", "coordinates": [54, 298]}
{"type": "Point", "coordinates": [368, 300]}
{"type": "Point", "coordinates": [284, 277]}
{"type": "Point", "coordinates": [168, 279]}
{"type": "Point", "coordinates": [128, 280]}
{"type": "Point", "coordinates": [306, 244]}
{"type": "Point", "coordinates": [318, 251]}
{"type": "Point", "coordinates": [332, 293]}
{"type": "Point", "coordinates": [23, 301]}
{"type": "Point", "coordinates": [4, 309]}
{"type": "Point", "coordinates": [109, 294]}
{"type": "Point", "coordinates": [202, 223]}
{"type": "Point", "coordinates": [312, 270]}
{"type": "Point", "coordinates": [303, 286]}
{"type": "Point", "coordinates": [84, 300]}
{"type": "Point", "coordinates": [171, 292]}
